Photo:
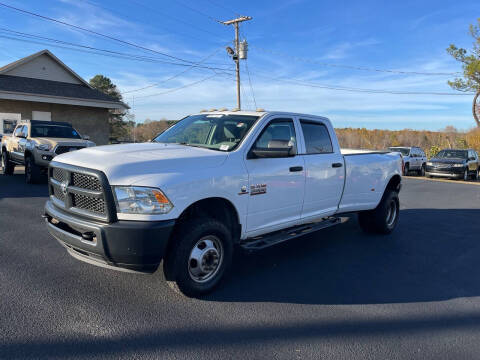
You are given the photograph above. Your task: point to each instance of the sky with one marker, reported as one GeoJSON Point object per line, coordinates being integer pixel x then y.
{"type": "Point", "coordinates": [302, 55]}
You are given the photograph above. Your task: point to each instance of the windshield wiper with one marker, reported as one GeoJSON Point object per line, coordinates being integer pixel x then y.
{"type": "Point", "coordinates": [198, 146]}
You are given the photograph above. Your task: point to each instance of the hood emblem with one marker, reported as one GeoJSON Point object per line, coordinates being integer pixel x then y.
{"type": "Point", "coordinates": [64, 187]}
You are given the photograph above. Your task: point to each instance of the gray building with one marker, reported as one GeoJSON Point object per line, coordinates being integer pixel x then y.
{"type": "Point", "coordinates": [41, 87]}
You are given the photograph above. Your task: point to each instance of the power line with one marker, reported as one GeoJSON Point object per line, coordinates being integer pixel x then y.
{"type": "Point", "coordinates": [176, 75]}
{"type": "Point", "coordinates": [98, 51]}
{"type": "Point", "coordinates": [360, 90]}
{"type": "Point", "coordinates": [198, 11]}
{"type": "Point", "coordinates": [250, 82]}
{"type": "Point", "coordinates": [172, 17]}
{"type": "Point", "coordinates": [223, 7]}
{"type": "Point", "coordinates": [178, 88]}
{"type": "Point", "coordinates": [94, 32]}
{"type": "Point", "coordinates": [351, 67]}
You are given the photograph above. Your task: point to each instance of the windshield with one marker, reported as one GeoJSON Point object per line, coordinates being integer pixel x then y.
{"type": "Point", "coordinates": [213, 131]}
{"type": "Point", "coordinates": [452, 154]}
{"type": "Point", "coordinates": [54, 131]}
{"type": "Point", "coordinates": [403, 151]}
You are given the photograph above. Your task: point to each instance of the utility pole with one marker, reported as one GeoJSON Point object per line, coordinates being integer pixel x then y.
{"type": "Point", "coordinates": [239, 53]}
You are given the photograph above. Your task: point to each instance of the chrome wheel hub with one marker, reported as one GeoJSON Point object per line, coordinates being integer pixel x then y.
{"type": "Point", "coordinates": [205, 259]}
{"type": "Point", "coordinates": [391, 213]}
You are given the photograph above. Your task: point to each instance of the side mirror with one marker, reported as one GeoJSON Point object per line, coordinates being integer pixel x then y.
{"type": "Point", "coordinates": [471, 158]}
{"type": "Point", "coordinates": [275, 149]}
{"type": "Point", "coordinates": [86, 137]}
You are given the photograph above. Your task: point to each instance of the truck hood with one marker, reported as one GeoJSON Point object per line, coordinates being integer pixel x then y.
{"type": "Point", "coordinates": [129, 163]}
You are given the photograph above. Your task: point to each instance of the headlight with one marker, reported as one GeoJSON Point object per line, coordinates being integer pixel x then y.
{"type": "Point", "coordinates": [141, 200]}
{"type": "Point", "coordinates": [43, 147]}
{"type": "Point", "coordinates": [429, 163]}
{"type": "Point", "coordinates": [458, 165]}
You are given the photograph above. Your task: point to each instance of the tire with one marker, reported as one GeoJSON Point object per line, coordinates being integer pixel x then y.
{"type": "Point", "coordinates": [184, 259]}
{"type": "Point", "coordinates": [406, 169]}
{"type": "Point", "coordinates": [475, 175]}
{"type": "Point", "coordinates": [422, 171]}
{"type": "Point", "coordinates": [465, 175]}
{"type": "Point", "coordinates": [384, 218]}
{"type": "Point", "coordinates": [7, 167]}
{"type": "Point", "coordinates": [32, 171]}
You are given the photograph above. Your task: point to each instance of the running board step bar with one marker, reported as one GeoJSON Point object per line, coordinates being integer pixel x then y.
{"type": "Point", "coordinates": [264, 241]}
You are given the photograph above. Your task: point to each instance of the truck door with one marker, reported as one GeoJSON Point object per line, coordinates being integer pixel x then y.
{"type": "Point", "coordinates": [13, 141]}
{"type": "Point", "coordinates": [413, 159]}
{"type": "Point", "coordinates": [276, 184]}
{"type": "Point", "coordinates": [22, 143]}
{"type": "Point", "coordinates": [325, 170]}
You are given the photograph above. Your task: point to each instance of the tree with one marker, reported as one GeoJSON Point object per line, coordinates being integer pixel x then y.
{"type": "Point", "coordinates": [118, 127]}
{"type": "Point", "coordinates": [471, 69]}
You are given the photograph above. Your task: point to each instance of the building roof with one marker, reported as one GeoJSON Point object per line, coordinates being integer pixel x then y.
{"type": "Point", "coordinates": [9, 67]}
{"type": "Point", "coordinates": [24, 80]}
{"type": "Point", "coordinates": [48, 87]}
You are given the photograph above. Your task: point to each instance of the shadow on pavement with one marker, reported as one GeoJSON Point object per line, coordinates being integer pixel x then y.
{"type": "Point", "coordinates": [214, 339]}
{"type": "Point", "coordinates": [14, 187]}
{"type": "Point", "coordinates": [342, 265]}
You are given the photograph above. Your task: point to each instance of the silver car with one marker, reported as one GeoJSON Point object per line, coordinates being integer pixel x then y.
{"type": "Point", "coordinates": [413, 157]}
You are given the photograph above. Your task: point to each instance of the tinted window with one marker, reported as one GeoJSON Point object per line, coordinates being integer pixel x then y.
{"type": "Point", "coordinates": [279, 133]}
{"type": "Point", "coordinates": [54, 131]}
{"type": "Point", "coordinates": [452, 154]}
{"type": "Point", "coordinates": [403, 151]}
{"type": "Point", "coordinates": [25, 131]}
{"type": "Point", "coordinates": [317, 138]}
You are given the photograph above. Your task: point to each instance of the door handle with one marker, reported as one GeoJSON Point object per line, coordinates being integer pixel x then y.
{"type": "Point", "coordinates": [296, 168]}
{"type": "Point", "coordinates": [336, 165]}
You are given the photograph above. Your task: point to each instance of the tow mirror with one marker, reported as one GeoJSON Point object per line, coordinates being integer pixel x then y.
{"type": "Point", "coordinates": [275, 149]}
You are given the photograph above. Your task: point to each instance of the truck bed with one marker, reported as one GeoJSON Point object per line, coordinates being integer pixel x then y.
{"type": "Point", "coordinates": [367, 174]}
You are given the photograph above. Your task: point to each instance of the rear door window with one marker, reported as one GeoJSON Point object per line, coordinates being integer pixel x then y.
{"type": "Point", "coordinates": [317, 138]}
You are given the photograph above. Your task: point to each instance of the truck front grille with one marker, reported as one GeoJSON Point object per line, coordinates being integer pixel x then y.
{"type": "Point", "coordinates": [82, 191]}
{"type": "Point", "coordinates": [59, 174]}
{"type": "Point", "coordinates": [88, 182]}
{"type": "Point", "coordinates": [89, 203]}
{"type": "Point", "coordinates": [64, 149]}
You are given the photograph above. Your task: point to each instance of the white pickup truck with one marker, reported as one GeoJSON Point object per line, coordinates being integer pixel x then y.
{"type": "Point", "coordinates": [213, 182]}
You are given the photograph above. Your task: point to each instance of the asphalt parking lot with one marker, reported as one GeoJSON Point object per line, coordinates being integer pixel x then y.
{"type": "Point", "coordinates": [336, 294]}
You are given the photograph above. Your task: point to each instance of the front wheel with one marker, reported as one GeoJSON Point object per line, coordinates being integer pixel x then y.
{"type": "Point", "coordinates": [475, 175]}
{"type": "Point", "coordinates": [406, 169]}
{"type": "Point", "coordinates": [32, 171]}
{"type": "Point", "coordinates": [7, 167]}
{"type": "Point", "coordinates": [422, 171]}
{"type": "Point", "coordinates": [199, 257]}
{"type": "Point", "coordinates": [465, 175]}
{"type": "Point", "coordinates": [384, 218]}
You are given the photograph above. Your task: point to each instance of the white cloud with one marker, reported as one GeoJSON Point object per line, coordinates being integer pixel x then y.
{"type": "Point", "coordinates": [343, 50]}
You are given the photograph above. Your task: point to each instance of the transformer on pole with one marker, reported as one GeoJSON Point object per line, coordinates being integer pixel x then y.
{"type": "Point", "coordinates": [240, 52]}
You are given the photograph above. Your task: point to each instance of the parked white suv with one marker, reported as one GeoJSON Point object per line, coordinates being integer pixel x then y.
{"type": "Point", "coordinates": [212, 181]}
{"type": "Point", "coordinates": [414, 159]}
